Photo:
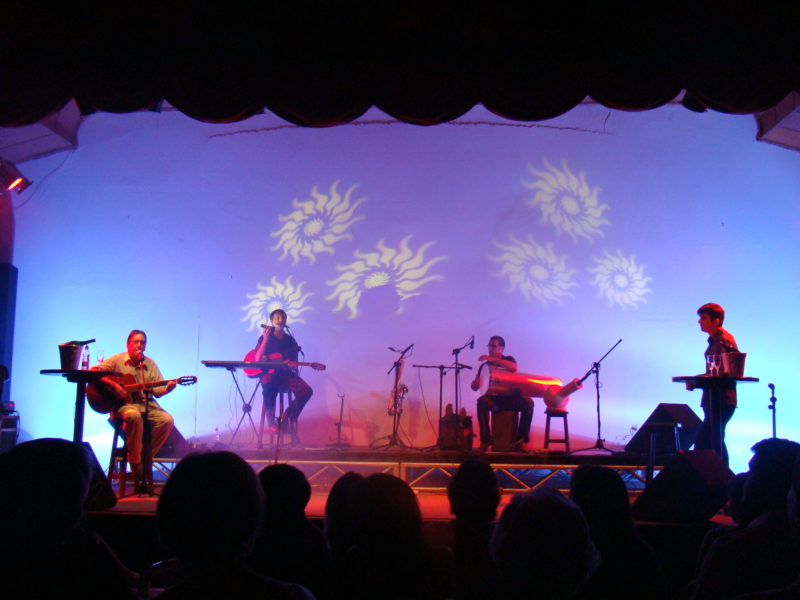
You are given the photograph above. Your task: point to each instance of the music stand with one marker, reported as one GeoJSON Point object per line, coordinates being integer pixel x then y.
{"type": "Point", "coordinates": [599, 444]}
{"type": "Point", "coordinates": [442, 371]}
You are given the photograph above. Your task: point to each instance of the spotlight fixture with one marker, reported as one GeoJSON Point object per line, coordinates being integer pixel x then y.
{"type": "Point", "coordinates": [11, 178]}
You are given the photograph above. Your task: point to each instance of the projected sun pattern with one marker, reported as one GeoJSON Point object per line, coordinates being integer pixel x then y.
{"type": "Point", "coordinates": [276, 295]}
{"type": "Point", "coordinates": [406, 270]}
{"type": "Point", "coordinates": [535, 270]}
{"type": "Point", "coordinates": [620, 280]}
{"type": "Point", "coordinates": [316, 225]}
{"type": "Point", "coordinates": [567, 201]}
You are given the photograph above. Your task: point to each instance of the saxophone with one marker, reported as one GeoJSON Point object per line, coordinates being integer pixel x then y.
{"type": "Point", "coordinates": [398, 393]}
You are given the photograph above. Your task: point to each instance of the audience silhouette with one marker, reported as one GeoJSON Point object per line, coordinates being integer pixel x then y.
{"type": "Point", "coordinates": [389, 558]}
{"type": "Point", "coordinates": [208, 516]}
{"type": "Point", "coordinates": [45, 549]}
{"type": "Point", "coordinates": [238, 535]}
{"type": "Point", "coordinates": [763, 554]}
{"type": "Point", "coordinates": [289, 546]}
{"type": "Point", "coordinates": [541, 545]}
{"type": "Point", "coordinates": [628, 565]}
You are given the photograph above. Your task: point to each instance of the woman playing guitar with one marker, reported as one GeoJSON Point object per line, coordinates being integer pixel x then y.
{"type": "Point", "coordinates": [275, 344]}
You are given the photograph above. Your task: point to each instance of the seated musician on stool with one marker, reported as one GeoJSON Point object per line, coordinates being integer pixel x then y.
{"type": "Point", "coordinates": [144, 370]}
{"type": "Point", "coordinates": [276, 344]}
{"type": "Point", "coordinates": [493, 403]}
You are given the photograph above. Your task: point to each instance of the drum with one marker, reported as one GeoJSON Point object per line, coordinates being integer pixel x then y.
{"type": "Point", "coordinates": [500, 382]}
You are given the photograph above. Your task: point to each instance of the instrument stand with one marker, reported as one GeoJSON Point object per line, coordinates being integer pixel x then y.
{"type": "Point", "coordinates": [339, 443]}
{"type": "Point", "coordinates": [247, 407]}
{"type": "Point", "coordinates": [393, 439]}
{"type": "Point", "coordinates": [600, 443]}
{"type": "Point", "coordinates": [442, 372]}
{"type": "Point", "coordinates": [772, 401]}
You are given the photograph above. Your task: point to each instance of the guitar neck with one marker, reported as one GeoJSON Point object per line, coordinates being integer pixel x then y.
{"type": "Point", "coordinates": [138, 387]}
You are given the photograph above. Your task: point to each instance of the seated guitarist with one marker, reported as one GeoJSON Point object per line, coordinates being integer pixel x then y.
{"type": "Point", "coordinates": [276, 344]}
{"type": "Point", "coordinates": [131, 404]}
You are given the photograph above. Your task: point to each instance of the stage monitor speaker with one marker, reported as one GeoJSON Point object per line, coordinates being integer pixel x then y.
{"type": "Point", "coordinates": [688, 422]}
{"type": "Point", "coordinates": [691, 488]}
{"type": "Point", "coordinates": [176, 446]}
{"type": "Point", "coordinates": [455, 433]}
{"type": "Point", "coordinates": [101, 494]}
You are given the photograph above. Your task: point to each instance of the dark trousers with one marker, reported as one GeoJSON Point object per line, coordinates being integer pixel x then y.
{"type": "Point", "coordinates": [716, 414]}
{"type": "Point", "coordinates": [300, 389]}
{"type": "Point", "coordinates": [489, 404]}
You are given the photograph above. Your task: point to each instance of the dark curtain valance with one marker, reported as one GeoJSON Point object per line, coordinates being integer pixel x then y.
{"type": "Point", "coordinates": [321, 64]}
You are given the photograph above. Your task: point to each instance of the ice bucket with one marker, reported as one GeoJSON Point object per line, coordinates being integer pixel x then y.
{"type": "Point", "coordinates": [733, 363]}
{"type": "Point", "coordinates": [70, 353]}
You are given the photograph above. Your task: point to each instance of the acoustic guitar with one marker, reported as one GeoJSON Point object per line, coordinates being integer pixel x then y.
{"type": "Point", "coordinates": [276, 359]}
{"type": "Point", "coordinates": [102, 398]}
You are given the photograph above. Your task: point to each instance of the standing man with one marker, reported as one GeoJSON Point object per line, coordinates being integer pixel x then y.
{"type": "Point", "coordinates": [492, 403]}
{"type": "Point", "coordinates": [719, 402]}
{"type": "Point", "coordinates": [143, 369]}
{"type": "Point", "coordinates": [276, 344]}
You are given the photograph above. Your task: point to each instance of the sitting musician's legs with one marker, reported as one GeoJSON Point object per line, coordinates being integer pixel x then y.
{"type": "Point", "coordinates": [525, 408]}
{"type": "Point", "coordinates": [485, 406]}
{"type": "Point", "coordinates": [269, 392]}
{"type": "Point", "coordinates": [302, 393]}
{"type": "Point", "coordinates": [161, 422]}
{"type": "Point", "coordinates": [132, 426]}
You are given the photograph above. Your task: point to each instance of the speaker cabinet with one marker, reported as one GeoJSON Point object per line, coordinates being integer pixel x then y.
{"type": "Point", "coordinates": [689, 425]}
{"type": "Point", "coordinates": [691, 488]}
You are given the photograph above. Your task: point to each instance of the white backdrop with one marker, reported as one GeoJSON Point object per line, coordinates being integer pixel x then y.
{"type": "Point", "coordinates": [562, 236]}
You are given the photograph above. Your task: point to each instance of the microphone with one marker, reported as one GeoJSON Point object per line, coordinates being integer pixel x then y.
{"type": "Point", "coordinates": [472, 343]}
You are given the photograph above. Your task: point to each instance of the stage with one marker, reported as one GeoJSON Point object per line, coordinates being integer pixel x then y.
{"type": "Point", "coordinates": [427, 471]}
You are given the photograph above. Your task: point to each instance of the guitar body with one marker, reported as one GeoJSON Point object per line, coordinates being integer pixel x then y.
{"type": "Point", "coordinates": [281, 365]}
{"type": "Point", "coordinates": [102, 398]}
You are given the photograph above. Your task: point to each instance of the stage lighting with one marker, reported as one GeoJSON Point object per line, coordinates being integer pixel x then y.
{"type": "Point", "coordinates": [11, 178]}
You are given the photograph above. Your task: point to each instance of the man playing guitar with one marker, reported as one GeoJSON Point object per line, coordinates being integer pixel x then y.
{"type": "Point", "coordinates": [275, 344]}
{"type": "Point", "coordinates": [130, 405]}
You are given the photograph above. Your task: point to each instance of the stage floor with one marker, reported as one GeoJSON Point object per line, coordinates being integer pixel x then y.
{"type": "Point", "coordinates": [426, 471]}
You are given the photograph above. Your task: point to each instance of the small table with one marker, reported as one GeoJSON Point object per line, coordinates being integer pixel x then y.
{"type": "Point", "coordinates": [714, 382]}
{"type": "Point", "coordinates": [81, 378]}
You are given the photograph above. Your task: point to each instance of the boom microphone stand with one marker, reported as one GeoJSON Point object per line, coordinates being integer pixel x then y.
{"type": "Point", "coordinates": [598, 445]}
{"type": "Point", "coordinates": [458, 366]}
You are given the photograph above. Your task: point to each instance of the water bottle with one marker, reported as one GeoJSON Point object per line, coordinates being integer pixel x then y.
{"type": "Point", "coordinates": [85, 359]}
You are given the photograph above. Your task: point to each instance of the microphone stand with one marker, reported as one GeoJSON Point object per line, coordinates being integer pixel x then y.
{"type": "Point", "coordinates": [458, 366]}
{"type": "Point", "coordinates": [394, 438]}
{"type": "Point", "coordinates": [442, 371]}
{"type": "Point", "coordinates": [772, 401]}
{"type": "Point", "coordinates": [599, 444]}
{"type": "Point", "coordinates": [146, 485]}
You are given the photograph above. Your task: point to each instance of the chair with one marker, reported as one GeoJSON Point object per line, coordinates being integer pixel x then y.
{"type": "Point", "coordinates": [287, 426]}
{"type": "Point", "coordinates": [556, 413]}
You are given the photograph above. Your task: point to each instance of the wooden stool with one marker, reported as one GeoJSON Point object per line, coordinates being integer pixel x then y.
{"type": "Point", "coordinates": [504, 430]}
{"type": "Point", "coordinates": [558, 413]}
{"type": "Point", "coordinates": [118, 465]}
{"type": "Point", "coordinates": [287, 426]}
